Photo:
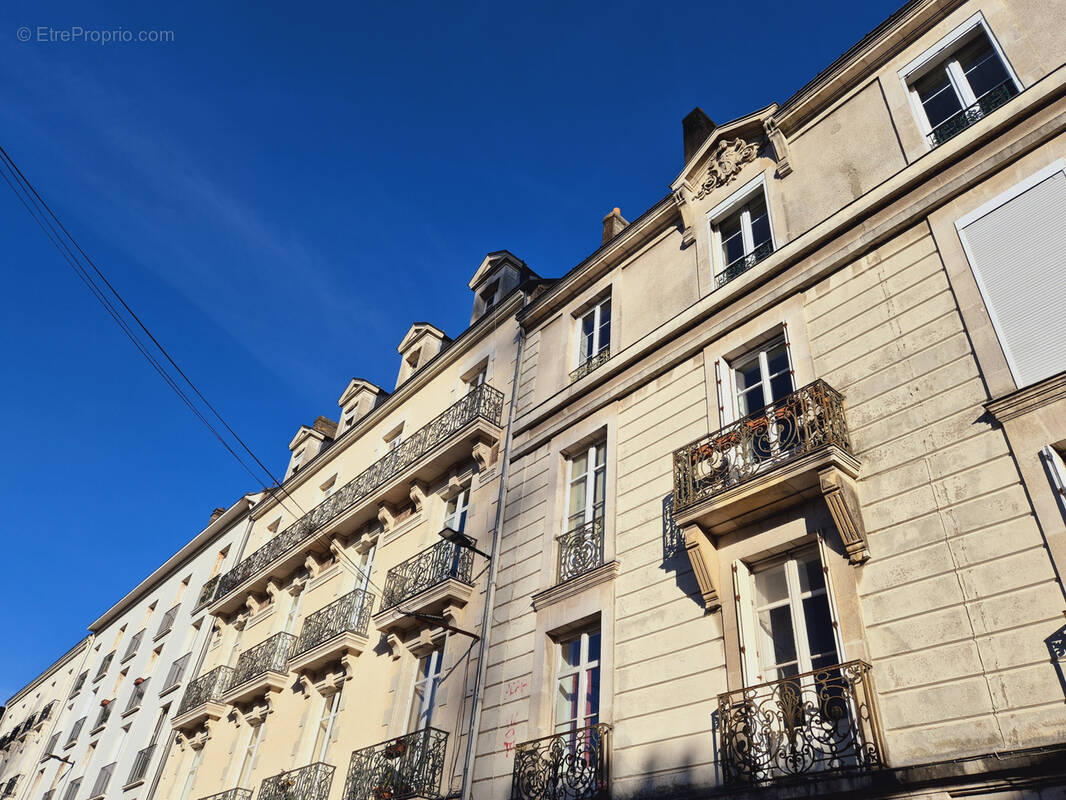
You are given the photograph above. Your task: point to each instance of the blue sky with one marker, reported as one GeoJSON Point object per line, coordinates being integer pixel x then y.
{"type": "Point", "coordinates": [279, 192]}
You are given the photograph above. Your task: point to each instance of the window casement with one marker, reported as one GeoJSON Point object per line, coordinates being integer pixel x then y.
{"type": "Point", "coordinates": [490, 296]}
{"type": "Point", "coordinates": [294, 611]}
{"type": "Point", "coordinates": [297, 458]}
{"type": "Point", "coordinates": [424, 693]}
{"type": "Point", "coordinates": [476, 379]}
{"type": "Point", "coordinates": [581, 543]}
{"type": "Point", "coordinates": [365, 567]}
{"type": "Point", "coordinates": [190, 774]}
{"type": "Point", "coordinates": [1055, 464]}
{"type": "Point", "coordinates": [456, 508]}
{"type": "Point", "coordinates": [234, 650]}
{"type": "Point", "coordinates": [959, 81]}
{"type": "Point", "coordinates": [593, 338]}
{"type": "Point", "coordinates": [327, 721]}
{"type": "Point", "coordinates": [250, 754]}
{"type": "Point", "coordinates": [393, 438]}
{"type": "Point", "coordinates": [741, 233]}
{"type": "Point", "coordinates": [577, 682]}
{"type": "Point", "coordinates": [787, 622]}
{"type": "Point", "coordinates": [328, 488]}
{"type": "Point", "coordinates": [761, 377]}
{"type": "Point", "coordinates": [349, 416]}
{"type": "Point", "coordinates": [72, 789]}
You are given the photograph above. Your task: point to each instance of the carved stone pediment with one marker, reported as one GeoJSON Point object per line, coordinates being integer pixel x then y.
{"type": "Point", "coordinates": [726, 161]}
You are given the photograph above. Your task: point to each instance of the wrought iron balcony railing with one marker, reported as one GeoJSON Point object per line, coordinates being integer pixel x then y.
{"type": "Point", "coordinates": [434, 565]}
{"type": "Point", "coordinates": [135, 642]}
{"type": "Point", "coordinates": [208, 688]}
{"type": "Point", "coordinates": [140, 765]}
{"type": "Point", "coordinates": [230, 794]}
{"type": "Point", "coordinates": [269, 656]}
{"type": "Point", "coordinates": [802, 422]}
{"type": "Point", "coordinates": [306, 783]}
{"type": "Point", "coordinates": [573, 765]}
{"type": "Point", "coordinates": [483, 402]}
{"type": "Point", "coordinates": [591, 363]}
{"type": "Point", "coordinates": [817, 722]}
{"type": "Point", "coordinates": [737, 267]}
{"type": "Point", "coordinates": [581, 549]}
{"type": "Point", "coordinates": [347, 614]}
{"type": "Point", "coordinates": [207, 591]}
{"type": "Point", "coordinates": [398, 769]}
{"type": "Point", "coordinates": [985, 105]}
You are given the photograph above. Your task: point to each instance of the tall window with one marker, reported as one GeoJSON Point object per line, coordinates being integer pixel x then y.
{"type": "Point", "coordinates": [251, 750]}
{"type": "Point", "coordinates": [294, 612]}
{"type": "Point", "coordinates": [190, 774]}
{"type": "Point", "coordinates": [366, 565]}
{"type": "Point", "coordinates": [577, 682]}
{"type": "Point", "coordinates": [326, 723]}
{"type": "Point", "coordinates": [743, 236]}
{"type": "Point", "coordinates": [297, 459]}
{"type": "Point", "coordinates": [594, 332]}
{"type": "Point", "coordinates": [477, 379]}
{"type": "Point", "coordinates": [793, 623]}
{"type": "Point", "coordinates": [957, 89]}
{"type": "Point", "coordinates": [587, 485]}
{"type": "Point", "coordinates": [762, 377]}
{"type": "Point", "coordinates": [235, 648]}
{"type": "Point", "coordinates": [455, 511]}
{"type": "Point", "coordinates": [424, 696]}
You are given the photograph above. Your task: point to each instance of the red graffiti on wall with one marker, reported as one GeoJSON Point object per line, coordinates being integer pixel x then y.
{"type": "Point", "coordinates": [510, 734]}
{"type": "Point", "coordinates": [515, 687]}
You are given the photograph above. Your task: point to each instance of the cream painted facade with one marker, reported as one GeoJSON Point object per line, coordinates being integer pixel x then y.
{"type": "Point", "coordinates": [29, 720]}
{"type": "Point", "coordinates": [753, 523]}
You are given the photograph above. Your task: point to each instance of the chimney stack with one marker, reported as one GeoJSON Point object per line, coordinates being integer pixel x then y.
{"type": "Point", "coordinates": [327, 426]}
{"type": "Point", "coordinates": [613, 224]}
{"type": "Point", "coordinates": [697, 126]}
{"type": "Point", "coordinates": [218, 512]}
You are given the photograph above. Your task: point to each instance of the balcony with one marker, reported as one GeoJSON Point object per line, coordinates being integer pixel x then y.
{"type": "Point", "coordinates": [203, 699]}
{"type": "Point", "coordinates": [574, 765]}
{"type": "Point", "coordinates": [580, 550]}
{"type": "Point", "coordinates": [819, 722]}
{"type": "Point", "coordinates": [307, 783]}
{"type": "Point", "coordinates": [590, 364]}
{"type": "Point", "coordinates": [985, 105]}
{"type": "Point", "coordinates": [207, 593]}
{"type": "Point", "coordinates": [261, 669]}
{"type": "Point", "coordinates": [438, 577]}
{"type": "Point", "coordinates": [332, 632]}
{"type": "Point", "coordinates": [230, 794]}
{"type": "Point", "coordinates": [424, 456]}
{"type": "Point", "coordinates": [734, 269]}
{"type": "Point", "coordinates": [398, 769]}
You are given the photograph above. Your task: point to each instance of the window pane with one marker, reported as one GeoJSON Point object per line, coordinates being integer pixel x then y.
{"type": "Point", "coordinates": [605, 326]}
{"type": "Point", "coordinates": [760, 220]}
{"type": "Point", "coordinates": [771, 586]}
{"type": "Point", "coordinates": [938, 96]}
{"type": "Point", "coordinates": [779, 641]}
{"type": "Point", "coordinates": [748, 375]}
{"type": "Point", "coordinates": [570, 653]}
{"type": "Point", "coordinates": [594, 646]}
{"type": "Point", "coordinates": [819, 627]}
{"type": "Point", "coordinates": [811, 576]}
{"type": "Point", "coordinates": [750, 400]}
{"type": "Point", "coordinates": [781, 386]}
{"type": "Point", "coordinates": [566, 699]}
{"type": "Point", "coordinates": [577, 499]}
{"type": "Point", "coordinates": [592, 697]}
{"type": "Point", "coordinates": [777, 358]}
{"type": "Point", "coordinates": [732, 247]}
{"type": "Point", "coordinates": [984, 71]}
{"type": "Point", "coordinates": [588, 328]}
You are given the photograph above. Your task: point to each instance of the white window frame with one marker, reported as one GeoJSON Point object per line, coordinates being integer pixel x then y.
{"type": "Point", "coordinates": [428, 705]}
{"type": "Point", "coordinates": [590, 483]}
{"type": "Point", "coordinates": [293, 614]}
{"type": "Point", "coordinates": [348, 417]}
{"type": "Point", "coordinates": [250, 755]}
{"type": "Point", "coordinates": [190, 774]}
{"type": "Point", "coordinates": [327, 720]}
{"type": "Point", "coordinates": [365, 567]}
{"type": "Point", "coordinates": [987, 208]}
{"type": "Point", "coordinates": [459, 512]}
{"type": "Point", "coordinates": [393, 439]}
{"type": "Point", "coordinates": [581, 669]}
{"type": "Point", "coordinates": [725, 209]}
{"type": "Point", "coordinates": [918, 67]}
{"type": "Point", "coordinates": [595, 312]}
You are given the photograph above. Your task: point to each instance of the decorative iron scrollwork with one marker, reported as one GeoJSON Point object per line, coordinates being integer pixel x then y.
{"type": "Point", "coordinates": [205, 689]}
{"type": "Point", "coordinates": [482, 402]}
{"type": "Point", "coordinates": [985, 105]}
{"type": "Point", "coordinates": [591, 363]}
{"type": "Point", "coordinates": [231, 794]}
{"type": "Point", "coordinates": [350, 613]}
{"type": "Point", "coordinates": [738, 267]}
{"type": "Point", "coordinates": [436, 564]}
{"type": "Point", "coordinates": [572, 765]}
{"type": "Point", "coordinates": [398, 769]}
{"type": "Point", "coordinates": [269, 656]}
{"type": "Point", "coordinates": [307, 783]}
{"type": "Point", "coordinates": [802, 422]}
{"type": "Point", "coordinates": [813, 723]}
{"type": "Point", "coordinates": [581, 549]}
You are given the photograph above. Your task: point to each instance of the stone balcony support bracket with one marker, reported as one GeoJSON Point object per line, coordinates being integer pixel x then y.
{"type": "Point", "coordinates": [704, 558]}
{"type": "Point", "coordinates": [838, 489]}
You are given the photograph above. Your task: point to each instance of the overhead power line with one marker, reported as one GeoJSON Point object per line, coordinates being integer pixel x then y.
{"type": "Point", "coordinates": [103, 290]}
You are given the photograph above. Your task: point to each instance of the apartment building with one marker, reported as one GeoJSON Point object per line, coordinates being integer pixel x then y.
{"type": "Point", "coordinates": [348, 632]}
{"type": "Point", "coordinates": [784, 512]}
{"type": "Point", "coordinates": [28, 720]}
{"type": "Point", "coordinates": [110, 731]}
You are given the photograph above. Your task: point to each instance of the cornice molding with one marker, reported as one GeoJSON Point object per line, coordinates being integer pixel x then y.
{"type": "Point", "coordinates": [1031, 398]}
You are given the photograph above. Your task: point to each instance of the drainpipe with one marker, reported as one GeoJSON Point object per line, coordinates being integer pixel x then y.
{"type": "Point", "coordinates": [490, 590]}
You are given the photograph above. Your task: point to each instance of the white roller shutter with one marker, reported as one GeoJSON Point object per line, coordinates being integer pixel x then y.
{"type": "Point", "coordinates": [1016, 245]}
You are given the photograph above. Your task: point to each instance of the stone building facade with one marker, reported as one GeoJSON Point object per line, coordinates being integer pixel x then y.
{"type": "Point", "coordinates": [765, 497]}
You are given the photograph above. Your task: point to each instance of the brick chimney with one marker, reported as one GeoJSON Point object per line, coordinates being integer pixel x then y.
{"type": "Point", "coordinates": [697, 126]}
{"type": "Point", "coordinates": [218, 512]}
{"type": "Point", "coordinates": [613, 224]}
{"type": "Point", "coordinates": [327, 426]}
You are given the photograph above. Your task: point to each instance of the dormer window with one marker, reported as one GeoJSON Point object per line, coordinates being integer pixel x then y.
{"type": "Point", "coordinates": [349, 417]}
{"type": "Point", "coordinates": [297, 457]}
{"type": "Point", "coordinates": [959, 81]}
{"type": "Point", "coordinates": [740, 232]}
{"type": "Point", "coordinates": [490, 296]}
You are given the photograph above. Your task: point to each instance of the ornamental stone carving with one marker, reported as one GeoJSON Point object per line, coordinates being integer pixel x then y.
{"type": "Point", "coordinates": [726, 162]}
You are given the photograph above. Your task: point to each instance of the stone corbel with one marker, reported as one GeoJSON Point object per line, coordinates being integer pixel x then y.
{"type": "Point", "coordinates": [253, 605]}
{"type": "Point", "coordinates": [199, 739]}
{"type": "Point", "coordinates": [348, 662]}
{"type": "Point", "coordinates": [386, 515]}
{"type": "Point", "coordinates": [273, 589]}
{"type": "Point", "coordinates": [331, 683]}
{"type": "Point", "coordinates": [366, 542]}
{"type": "Point", "coordinates": [451, 615]}
{"type": "Point", "coordinates": [418, 493]}
{"type": "Point", "coordinates": [838, 489]}
{"type": "Point", "coordinates": [780, 143]}
{"type": "Point", "coordinates": [312, 565]}
{"type": "Point", "coordinates": [484, 454]}
{"type": "Point", "coordinates": [242, 619]}
{"type": "Point", "coordinates": [704, 557]}
{"type": "Point", "coordinates": [306, 686]}
{"type": "Point", "coordinates": [257, 715]}
{"type": "Point", "coordinates": [682, 195]}
{"type": "Point", "coordinates": [395, 644]}
{"type": "Point", "coordinates": [451, 488]}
